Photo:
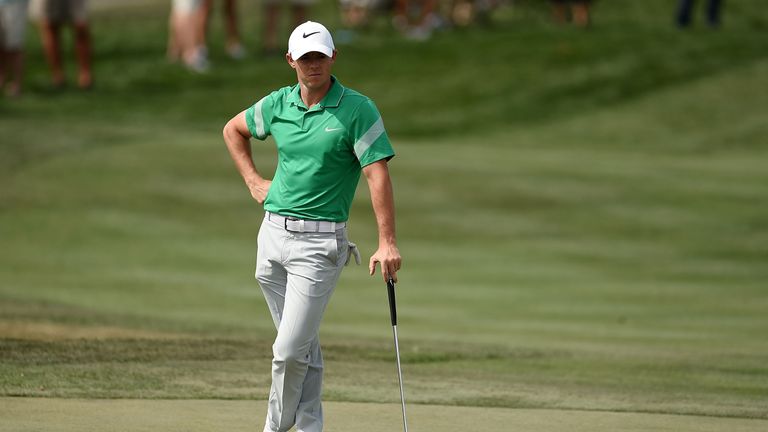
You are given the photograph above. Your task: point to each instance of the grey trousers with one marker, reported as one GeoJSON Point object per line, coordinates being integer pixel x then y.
{"type": "Point", "coordinates": [298, 273]}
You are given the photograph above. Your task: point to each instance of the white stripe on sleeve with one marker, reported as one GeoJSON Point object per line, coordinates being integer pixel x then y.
{"type": "Point", "coordinates": [258, 119]}
{"type": "Point", "coordinates": [368, 138]}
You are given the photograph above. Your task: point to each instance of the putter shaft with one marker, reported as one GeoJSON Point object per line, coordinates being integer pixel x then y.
{"type": "Point", "coordinates": [393, 317]}
{"type": "Point", "coordinates": [400, 377]}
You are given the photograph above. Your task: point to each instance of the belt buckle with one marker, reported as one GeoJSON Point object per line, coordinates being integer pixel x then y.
{"type": "Point", "coordinates": [285, 222]}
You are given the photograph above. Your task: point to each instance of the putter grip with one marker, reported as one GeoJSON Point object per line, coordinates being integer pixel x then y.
{"type": "Point", "coordinates": [392, 306]}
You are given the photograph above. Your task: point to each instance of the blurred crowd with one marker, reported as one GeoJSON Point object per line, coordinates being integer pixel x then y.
{"type": "Point", "coordinates": [189, 22]}
{"type": "Point", "coordinates": [51, 16]}
{"type": "Point", "coordinates": [414, 19]}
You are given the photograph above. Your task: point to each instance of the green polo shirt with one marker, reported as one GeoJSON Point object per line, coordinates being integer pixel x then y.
{"type": "Point", "coordinates": [321, 151]}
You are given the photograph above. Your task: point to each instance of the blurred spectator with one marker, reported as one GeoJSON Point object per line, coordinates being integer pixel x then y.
{"type": "Point", "coordinates": [416, 19]}
{"type": "Point", "coordinates": [685, 10]}
{"type": "Point", "coordinates": [299, 10]}
{"type": "Point", "coordinates": [466, 12]}
{"type": "Point", "coordinates": [579, 11]}
{"type": "Point", "coordinates": [357, 13]}
{"type": "Point", "coordinates": [185, 36]}
{"type": "Point", "coordinates": [462, 12]}
{"type": "Point", "coordinates": [13, 26]}
{"type": "Point", "coordinates": [234, 45]}
{"type": "Point", "coordinates": [52, 15]}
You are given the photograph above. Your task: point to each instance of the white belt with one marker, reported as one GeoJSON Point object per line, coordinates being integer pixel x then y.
{"type": "Point", "coordinates": [301, 225]}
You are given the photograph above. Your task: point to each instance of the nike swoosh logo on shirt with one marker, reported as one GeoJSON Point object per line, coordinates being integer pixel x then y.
{"type": "Point", "coordinates": [308, 35]}
{"type": "Point", "coordinates": [327, 129]}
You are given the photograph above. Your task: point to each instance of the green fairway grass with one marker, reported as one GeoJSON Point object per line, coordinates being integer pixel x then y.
{"type": "Point", "coordinates": [583, 218]}
{"type": "Point", "coordinates": [65, 415]}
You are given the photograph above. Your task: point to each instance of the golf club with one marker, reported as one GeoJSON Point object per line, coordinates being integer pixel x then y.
{"type": "Point", "coordinates": [393, 318]}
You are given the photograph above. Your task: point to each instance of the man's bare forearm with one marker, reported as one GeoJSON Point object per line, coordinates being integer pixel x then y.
{"type": "Point", "coordinates": [383, 202]}
{"type": "Point", "coordinates": [237, 138]}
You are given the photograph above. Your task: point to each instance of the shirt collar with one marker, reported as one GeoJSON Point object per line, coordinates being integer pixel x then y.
{"type": "Point", "coordinates": [332, 99]}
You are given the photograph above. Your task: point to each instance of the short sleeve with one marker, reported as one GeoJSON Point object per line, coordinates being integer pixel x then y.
{"type": "Point", "coordinates": [371, 143]}
{"type": "Point", "coordinates": [258, 117]}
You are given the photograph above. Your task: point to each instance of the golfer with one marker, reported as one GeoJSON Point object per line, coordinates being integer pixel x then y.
{"type": "Point", "coordinates": [326, 135]}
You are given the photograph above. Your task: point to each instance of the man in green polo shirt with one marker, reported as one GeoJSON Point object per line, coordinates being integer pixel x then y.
{"type": "Point", "coordinates": [326, 136]}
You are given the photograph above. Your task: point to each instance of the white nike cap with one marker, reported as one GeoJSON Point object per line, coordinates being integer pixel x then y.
{"type": "Point", "coordinates": [309, 37]}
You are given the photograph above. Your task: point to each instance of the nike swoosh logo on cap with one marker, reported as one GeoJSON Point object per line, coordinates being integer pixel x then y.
{"type": "Point", "coordinates": [308, 35]}
{"type": "Point", "coordinates": [327, 129]}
